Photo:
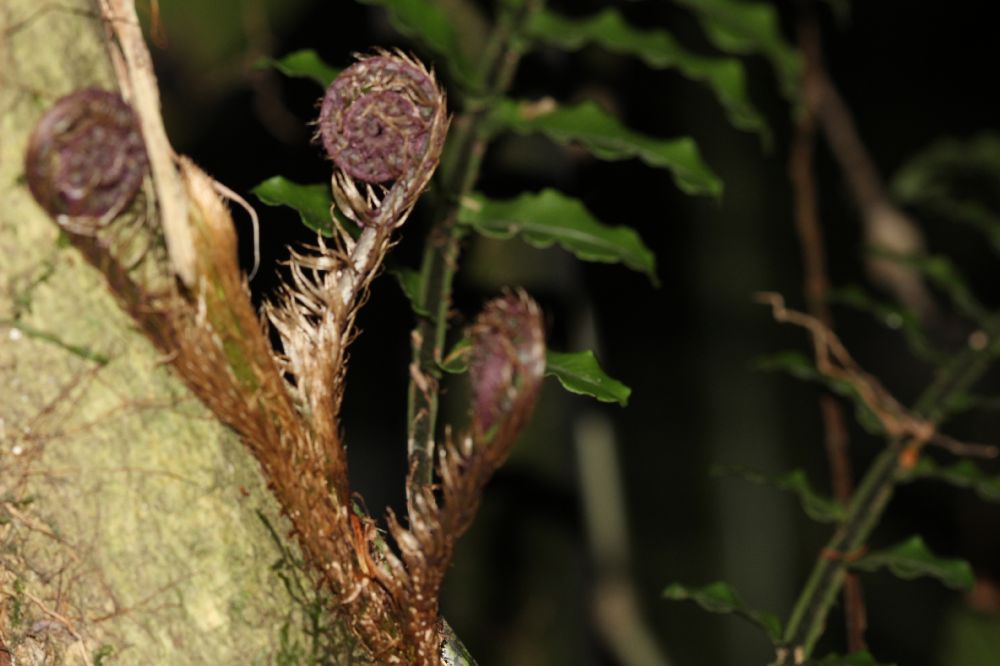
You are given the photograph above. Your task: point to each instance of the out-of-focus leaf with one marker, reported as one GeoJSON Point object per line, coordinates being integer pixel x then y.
{"type": "Point", "coordinates": [743, 28]}
{"type": "Point", "coordinates": [964, 474]}
{"type": "Point", "coordinates": [427, 22]}
{"type": "Point", "coordinates": [304, 64]}
{"type": "Point", "coordinates": [801, 367]}
{"type": "Point", "coordinates": [893, 316]}
{"type": "Point", "coordinates": [930, 171]}
{"type": "Point", "coordinates": [841, 9]}
{"type": "Point", "coordinates": [973, 213]}
{"type": "Point", "coordinates": [958, 403]}
{"type": "Point", "coordinates": [313, 203]}
{"type": "Point", "coordinates": [969, 636]}
{"type": "Point", "coordinates": [410, 282]}
{"type": "Point", "coordinates": [604, 136]}
{"type": "Point", "coordinates": [579, 373]}
{"type": "Point", "coordinates": [854, 659]}
{"type": "Point", "coordinates": [548, 217]}
{"type": "Point", "coordinates": [720, 597]}
{"type": "Point", "coordinates": [657, 48]}
{"type": "Point", "coordinates": [794, 363]}
{"type": "Point", "coordinates": [912, 559]}
{"type": "Point", "coordinates": [938, 181]}
{"type": "Point", "coordinates": [206, 36]}
{"type": "Point", "coordinates": [941, 272]}
{"type": "Point", "coordinates": [817, 507]}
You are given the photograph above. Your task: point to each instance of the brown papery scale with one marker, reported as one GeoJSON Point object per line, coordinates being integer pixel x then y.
{"type": "Point", "coordinates": [86, 156]}
{"type": "Point", "coordinates": [507, 361]}
{"type": "Point", "coordinates": [376, 117]}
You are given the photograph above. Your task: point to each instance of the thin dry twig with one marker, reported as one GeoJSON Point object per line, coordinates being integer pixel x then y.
{"type": "Point", "coordinates": [833, 360]}
{"type": "Point", "coordinates": [899, 423]}
{"type": "Point", "coordinates": [964, 449]}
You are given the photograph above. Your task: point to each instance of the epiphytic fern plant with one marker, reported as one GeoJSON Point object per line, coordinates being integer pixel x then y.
{"type": "Point", "coordinates": [896, 263]}
{"type": "Point", "coordinates": [447, 470]}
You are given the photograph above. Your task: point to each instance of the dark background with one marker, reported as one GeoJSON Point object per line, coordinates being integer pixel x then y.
{"type": "Point", "coordinates": [520, 587]}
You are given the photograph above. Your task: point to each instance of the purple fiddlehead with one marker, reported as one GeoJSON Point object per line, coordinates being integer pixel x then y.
{"type": "Point", "coordinates": [382, 120]}
{"type": "Point", "coordinates": [86, 157]}
{"type": "Point", "coordinates": [507, 363]}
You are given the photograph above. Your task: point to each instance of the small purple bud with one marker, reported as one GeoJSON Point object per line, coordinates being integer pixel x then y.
{"type": "Point", "coordinates": [508, 361]}
{"type": "Point", "coordinates": [376, 117]}
{"type": "Point", "coordinates": [86, 156]}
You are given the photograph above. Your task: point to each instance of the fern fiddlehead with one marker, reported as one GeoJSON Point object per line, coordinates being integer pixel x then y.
{"type": "Point", "coordinates": [86, 157]}
{"type": "Point", "coordinates": [383, 119]}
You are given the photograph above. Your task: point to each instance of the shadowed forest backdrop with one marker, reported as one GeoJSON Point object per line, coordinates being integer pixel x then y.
{"type": "Point", "coordinates": [521, 586]}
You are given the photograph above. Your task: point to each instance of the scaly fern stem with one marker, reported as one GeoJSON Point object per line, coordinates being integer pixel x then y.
{"type": "Point", "coordinates": [459, 171]}
{"type": "Point", "coordinates": [808, 619]}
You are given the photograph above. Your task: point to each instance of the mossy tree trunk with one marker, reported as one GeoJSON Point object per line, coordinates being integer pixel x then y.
{"type": "Point", "coordinates": [132, 524]}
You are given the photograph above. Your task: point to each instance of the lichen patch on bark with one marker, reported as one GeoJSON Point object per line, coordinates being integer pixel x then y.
{"type": "Point", "coordinates": [128, 515]}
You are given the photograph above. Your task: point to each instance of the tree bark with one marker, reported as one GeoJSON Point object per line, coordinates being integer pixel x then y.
{"type": "Point", "coordinates": [130, 519]}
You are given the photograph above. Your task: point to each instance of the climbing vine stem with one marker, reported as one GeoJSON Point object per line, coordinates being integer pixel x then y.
{"type": "Point", "coordinates": [459, 171]}
{"type": "Point", "coordinates": [808, 620]}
